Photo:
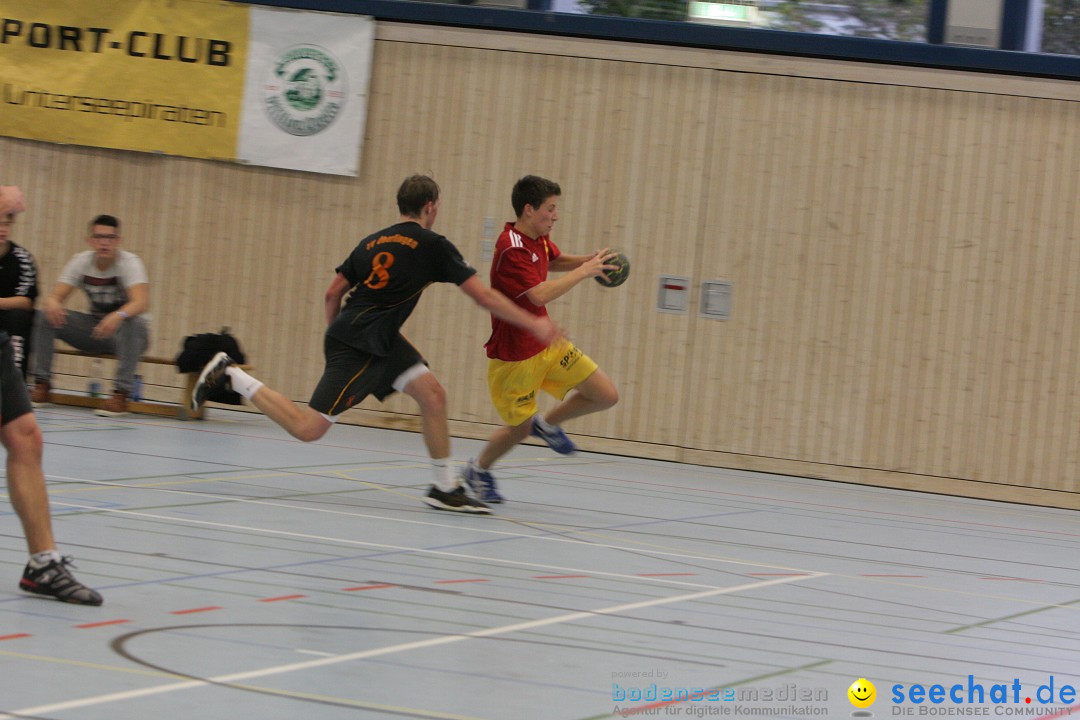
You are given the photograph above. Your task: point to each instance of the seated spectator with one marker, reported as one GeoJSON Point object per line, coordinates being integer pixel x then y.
{"type": "Point", "coordinates": [18, 291]}
{"type": "Point", "coordinates": [116, 284]}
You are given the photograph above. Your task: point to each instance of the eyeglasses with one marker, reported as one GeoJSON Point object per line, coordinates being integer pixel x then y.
{"type": "Point", "coordinates": [97, 236]}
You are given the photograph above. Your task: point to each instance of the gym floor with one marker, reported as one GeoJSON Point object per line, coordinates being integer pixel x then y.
{"type": "Point", "coordinates": [248, 575]}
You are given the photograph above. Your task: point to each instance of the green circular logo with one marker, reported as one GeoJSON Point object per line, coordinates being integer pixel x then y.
{"type": "Point", "coordinates": [306, 90]}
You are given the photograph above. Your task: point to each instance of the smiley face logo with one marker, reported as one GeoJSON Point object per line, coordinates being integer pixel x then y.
{"type": "Point", "coordinates": [862, 693]}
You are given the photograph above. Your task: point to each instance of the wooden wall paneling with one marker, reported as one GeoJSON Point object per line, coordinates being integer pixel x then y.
{"type": "Point", "coordinates": [1061, 450]}
{"type": "Point", "coordinates": [1043, 292]}
{"type": "Point", "coordinates": [754, 180]}
{"type": "Point", "coordinates": [891, 349]}
{"type": "Point", "coordinates": [714, 377]}
{"type": "Point", "coordinates": [989, 222]}
{"type": "Point", "coordinates": [1027, 247]}
{"type": "Point", "coordinates": [853, 214]}
{"type": "Point", "coordinates": [955, 165]}
{"type": "Point", "coordinates": [953, 272]}
{"type": "Point", "coordinates": [658, 195]}
{"type": "Point", "coordinates": [820, 281]}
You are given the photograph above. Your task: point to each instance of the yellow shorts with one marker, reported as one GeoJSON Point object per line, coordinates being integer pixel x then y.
{"type": "Point", "coordinates": [557, 369]}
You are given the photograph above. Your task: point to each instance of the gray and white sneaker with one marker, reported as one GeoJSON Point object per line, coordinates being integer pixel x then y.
{"type": "Point", "coordinates": [212, 377]}
{"type": "Point", "coordinates": [455, 501]}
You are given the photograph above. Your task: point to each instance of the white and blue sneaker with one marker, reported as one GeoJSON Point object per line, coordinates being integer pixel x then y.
{"type": "Point", "coordinates": [553, 435]}
{"type": "Point", "coordinates": [482, 483]}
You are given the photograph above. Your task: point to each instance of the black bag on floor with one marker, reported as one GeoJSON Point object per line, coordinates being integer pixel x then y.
{"type": "Point", "coordinates": [199, 349]}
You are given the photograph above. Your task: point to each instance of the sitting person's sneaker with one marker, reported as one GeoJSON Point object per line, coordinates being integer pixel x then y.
{"type": "Point", "coordinates": [482, 483]}
{"type": "Point", "coordinates": [212, 377]}
{"type": "Point", "coordinates": [553, 435]}
{"type": "Point", "coordinates": [40, 394]}
{"type": "Point", "coordinates": [114, 406]}
{"type": "Point", "coordinates": [57, 581]}
{"type": "Point", "coordinates": [456, 501]}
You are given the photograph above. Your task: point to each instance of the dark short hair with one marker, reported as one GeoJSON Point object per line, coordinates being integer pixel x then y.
{"type": "Point", "coordinates": [532, 190]}
{"type": "Point", "coordinates": [416, 192]}
{"type": "Point", "coordinates": [106, 220]}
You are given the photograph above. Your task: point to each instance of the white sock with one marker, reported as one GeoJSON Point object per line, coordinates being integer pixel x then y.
{"type": "Point", "coordinates": [241, 382]}
{"type": "Point", "coordinates": [444, 475]}
{"type": "Point", "coordinates": [41, 559]}
{"type": "Point", "coordinates": [544, 424]}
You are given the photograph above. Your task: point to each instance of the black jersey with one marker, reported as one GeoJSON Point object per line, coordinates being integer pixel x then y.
{"type": "Point", "coordinates": [388, 271]}
{"type": "Point", "coordinates": [18, 274]}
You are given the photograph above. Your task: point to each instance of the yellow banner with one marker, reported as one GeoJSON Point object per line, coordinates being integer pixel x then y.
{"type": "Point", "coordinates": [148, 75]}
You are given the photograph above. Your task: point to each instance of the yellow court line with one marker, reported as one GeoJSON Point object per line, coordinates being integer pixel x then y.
{"type": "Point", "coordinates": [92, 665]}
{"type": "Point", "coordinates": [116, 485]}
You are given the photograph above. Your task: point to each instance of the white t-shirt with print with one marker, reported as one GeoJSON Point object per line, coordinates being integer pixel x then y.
{"type": "Point", "coordinates": [107, 289]}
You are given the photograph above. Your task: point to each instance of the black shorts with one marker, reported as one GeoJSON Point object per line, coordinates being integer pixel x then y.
{"type": "Point", "coordinates": [351, 375]}
{"type": "Point", "coordinates": [14, 399]}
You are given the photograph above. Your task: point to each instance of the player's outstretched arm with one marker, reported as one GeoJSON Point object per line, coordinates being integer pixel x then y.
{"type": "Point", "coordinates": [578, 268]}
{"type": "Point", "coordinates": [501, 307]}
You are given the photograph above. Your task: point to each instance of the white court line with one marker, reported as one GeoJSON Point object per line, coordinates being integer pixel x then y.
{"type": "Point", "coordinates": [642, 548]}
{"type": "Point", "coordinates": [391, 649]}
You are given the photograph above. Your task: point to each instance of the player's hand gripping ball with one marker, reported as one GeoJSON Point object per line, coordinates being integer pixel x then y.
{"type": "Point", "coordinates": [615, 278]}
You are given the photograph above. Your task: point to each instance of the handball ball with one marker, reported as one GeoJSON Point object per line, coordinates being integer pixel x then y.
{"type": "Point", "coordinates": [615, 278]}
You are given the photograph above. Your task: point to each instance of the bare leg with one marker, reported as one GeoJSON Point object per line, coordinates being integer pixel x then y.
{"type": "Point", "coordinates": [501, 442]}
{"type": "Point", "coordinates": [26, 481]}
{"type": "Point", "coordinates": [595, 394]}
{"type": "Point", "coordinates": [430, 395]}
{"type": "Point", "coordinates": [302, 423]}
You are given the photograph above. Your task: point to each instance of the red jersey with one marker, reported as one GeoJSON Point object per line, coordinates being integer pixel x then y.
{"type": "Point", "coordinates": [519, 265]}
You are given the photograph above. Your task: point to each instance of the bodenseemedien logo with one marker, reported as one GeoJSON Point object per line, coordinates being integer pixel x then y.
{"type": "Point", "coordinates": [306, 90]}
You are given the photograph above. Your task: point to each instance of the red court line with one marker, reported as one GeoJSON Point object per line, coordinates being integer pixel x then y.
{"type": "Point", "coordinates": [665, 574]}
{"type": "Point", "coordinates": [557, 577]}
{"type": "Point", "coordinates": [368, 587]}
{"type": "Point", "coordinates": [467, 580]}
{"type": "Point", "coordinates": [16, 636]}
{"type": "Point", "coordinates": [102, 624]}
{"type": "Point", "coordinates": [195, 610]}
{"type": "Point", "coordinates": [282, 597]}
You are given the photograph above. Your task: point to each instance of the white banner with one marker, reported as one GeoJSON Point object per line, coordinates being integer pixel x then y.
{"type": "Point", "coordinates": [306, 91]}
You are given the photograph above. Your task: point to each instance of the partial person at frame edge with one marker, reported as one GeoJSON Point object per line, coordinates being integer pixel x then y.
{"type": "Point", "coordinates": [18, 291]}
{"type": "Point", "coordinates": [46, 571]}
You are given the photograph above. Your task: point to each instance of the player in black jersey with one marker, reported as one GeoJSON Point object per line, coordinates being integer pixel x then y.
{"type": "Point", "coordinates": [366, 354]}
{"type": "Point", "coordinates": [47, 571]}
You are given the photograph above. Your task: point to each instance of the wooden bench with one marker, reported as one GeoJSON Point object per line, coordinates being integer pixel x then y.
{"type": "Point", "coordinates": [181, 410]}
